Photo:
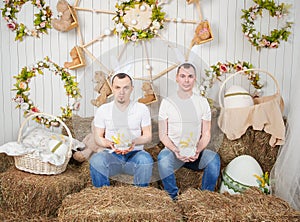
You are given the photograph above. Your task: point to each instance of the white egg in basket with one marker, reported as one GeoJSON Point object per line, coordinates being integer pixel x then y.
{"type": "Point", "coordinates": [236, 97]}
{"type": "Point", "coordinates": [122, 146]}
{"type": "Point", "coordinates": [239, 174]}
{"type": "Point", "coordinates": [187, 151]}
{"type": "Point", "coordinates": [58, 147]}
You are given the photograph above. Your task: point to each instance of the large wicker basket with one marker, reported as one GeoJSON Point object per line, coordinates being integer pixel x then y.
{"type": "Point", "coordinates": [242, 72]}
{"type": "Point", "coordinates": [32, 164]}
{"type": "Point", "coordinates": [265, 114]}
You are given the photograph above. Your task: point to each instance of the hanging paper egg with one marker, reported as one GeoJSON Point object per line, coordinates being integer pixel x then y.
{"type": "Point", "coordinates": [237, 97]}
{"type": "Point", "coordinates": [239, 175]}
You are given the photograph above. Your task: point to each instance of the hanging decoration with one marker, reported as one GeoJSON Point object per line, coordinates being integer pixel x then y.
{"type": "Point", "coordinates": [136, 20]}
{"type": "Point", "coordinates": [256, 38]}
{"type": "Point", "coordinates": [23, 90]}
{"type": "Point", "coordinates": [220, 68]}
{"type": "Point", "coordinates": [42, 21]}
{"type": "Point", "coordinates": [203, 32]}
{"type": "Point", "coordinates": [67, 17]}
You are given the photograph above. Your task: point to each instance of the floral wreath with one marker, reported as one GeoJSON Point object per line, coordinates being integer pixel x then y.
{"type": "Point", "coordinates": [23, 90]}
{"type": "Point", "coordinates": [42, 20]}
{"type": "Point", "coordinates": [129, 33]}
{"type": "Point", "coordinates": [256, 38]}
{"type": "Point", "coordinates": [217, 70]}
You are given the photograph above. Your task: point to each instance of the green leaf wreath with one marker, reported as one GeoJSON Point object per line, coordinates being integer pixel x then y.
{"type": "Point", "coordinates": [131, 34]}
{"type": "Point", "coordinates": [255, 37]}
{"type": "Point", "coordinates": [42, 21]}
{"type": "Point", "coordinates": [23, 90]}
{"type": "Point", "coordinates": [214, 73]}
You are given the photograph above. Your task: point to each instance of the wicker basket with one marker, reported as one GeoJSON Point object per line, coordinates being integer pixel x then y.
{"type": "Point", "coordinates": [221, 102]}
{"type": "Point", "coordinates": [32, 164]}
{"type": "Point", "coordinates": [265, 114]}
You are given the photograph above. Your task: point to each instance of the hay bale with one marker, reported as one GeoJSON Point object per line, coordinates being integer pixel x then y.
{"type": "Point", "coordinates": [5, 162]}
{"type": "Point", "coordinates": [127, 180]}
{"type": "Point", "coordinates": [41, 195]}
{"type": "Point", "coordinates": [252, 205]}
{"type": "Point", "coordinates": [127, 203]}
{"type": "Point", "coordinates": [15, 217]}
{"type": "Point", "coordinates": [254, 143]}
{"type": "Point", "coordinates": [186, 178]}
{"type": "Point", "coordinates": [78, 126]}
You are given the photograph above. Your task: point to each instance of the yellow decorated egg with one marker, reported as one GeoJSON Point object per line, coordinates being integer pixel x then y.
{"type": "Point", "coordinates": [239, 174]}
{"type": "Point", "coordinates": [58, 147]}
{"type": "Point", "coordinates": [236, 97]}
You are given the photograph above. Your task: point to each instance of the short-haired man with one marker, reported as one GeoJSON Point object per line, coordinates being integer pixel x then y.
{"type": "Point", "coordinates": [185, 122]}
{"type": "Point", "coordinates": [122, 121]}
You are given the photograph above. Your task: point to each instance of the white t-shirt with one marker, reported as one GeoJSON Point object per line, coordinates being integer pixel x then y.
{"type": "Point", "coordinates": [184, 117]}
{"type": "Point", "coordinates": [125, 125]}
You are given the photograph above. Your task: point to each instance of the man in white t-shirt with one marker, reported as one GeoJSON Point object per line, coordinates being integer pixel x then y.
{"type": "Point", "coordinates": [184, 129]}
{"type": "Point", "coordinates": [122, 127]}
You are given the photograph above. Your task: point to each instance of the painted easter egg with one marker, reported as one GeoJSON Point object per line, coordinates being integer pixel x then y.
{"type": "Point", "coordinates": [239, 175]}
{"type": "Point", "coordinates": [58, 147]}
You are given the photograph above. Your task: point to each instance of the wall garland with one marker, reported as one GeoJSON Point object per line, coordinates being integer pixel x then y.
{"type": "Point", "coordinates": [23, 90]}
{"type": "Point", "coordinates": [255, 37]}
{"type": "Point", "coordinates": [137, 20]}
{"type": "Point", "coordinates": [42, 21]}
{"type": "Point", "coordinates": [214, 73]}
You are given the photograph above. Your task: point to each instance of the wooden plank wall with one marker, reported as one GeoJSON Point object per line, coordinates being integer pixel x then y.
{"type": "Point", "coordinates": [229, 44]}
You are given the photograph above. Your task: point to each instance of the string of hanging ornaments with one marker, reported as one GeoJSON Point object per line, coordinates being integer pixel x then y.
{"type": "Point", "coordinates": [255, 37]}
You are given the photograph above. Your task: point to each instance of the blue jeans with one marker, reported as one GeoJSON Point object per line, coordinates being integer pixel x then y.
{"type": "Point", "coordinates": [168, 163]}
{"type": "Point", "coordinates": [136, 163]}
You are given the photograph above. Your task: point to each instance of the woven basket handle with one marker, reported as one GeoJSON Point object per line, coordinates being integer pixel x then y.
{"type": "Point", "coordinates": [48, 115]}
{"type": "Point", "coordinates": [243, 71]}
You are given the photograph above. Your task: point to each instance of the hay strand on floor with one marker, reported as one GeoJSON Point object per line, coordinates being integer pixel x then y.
{"type": "Point", "coordinates": [125, 203]}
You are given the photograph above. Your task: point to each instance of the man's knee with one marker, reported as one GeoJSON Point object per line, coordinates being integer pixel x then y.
{"type": "Point", "coordinates": [99, 159]}
{"type": "Point", "coordinates": [144, 158]}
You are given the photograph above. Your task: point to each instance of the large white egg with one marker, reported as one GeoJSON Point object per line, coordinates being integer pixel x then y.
{"type": "Point", "coordinates": [236, 97]}
{"type": "Point", "coordinates": [58, 147]}
{"type": "Point", "coordinates": [239, 174]}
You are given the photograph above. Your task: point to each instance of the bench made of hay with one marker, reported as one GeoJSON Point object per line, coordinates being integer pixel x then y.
{"type": "Point", "coordinates": [127, 203]}
{"type": "Point", "coordinates": [39, 195]}
{"type": "Point", "coordinates": [254, 143]}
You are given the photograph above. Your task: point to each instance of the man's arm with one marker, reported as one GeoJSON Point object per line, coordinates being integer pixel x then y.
{"type": "Point", "coordinates": [204, 138]}
{"type": "Point", "coordinates": [165, 139]}
{"type": "Point", "coordinates": [146, 136]}
{"type": "Point", "coordinates": [100, 139]}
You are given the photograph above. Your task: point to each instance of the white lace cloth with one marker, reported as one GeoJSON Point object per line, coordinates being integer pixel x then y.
{"type": "Point", "coordinates": [36, 143]}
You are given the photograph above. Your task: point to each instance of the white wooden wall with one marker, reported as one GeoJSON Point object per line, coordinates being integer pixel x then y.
{"type": "Point", "coordinates": [229, 44]}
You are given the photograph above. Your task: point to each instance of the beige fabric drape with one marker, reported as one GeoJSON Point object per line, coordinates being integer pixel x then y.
{"type": "Point", "coordinates": [265, 114]}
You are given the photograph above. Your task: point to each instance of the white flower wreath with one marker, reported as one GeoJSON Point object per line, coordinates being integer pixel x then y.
{"type": "Point", "coordinates": [41, 23]}
{"type": "Point", "coordinates": [138, 19]}
{"type": "Point", "coordinates": [220, 68]}
{"type": "Point", "coordinates": [23, 90]}
{"type": "Point", "coordinates": [256, 38]}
